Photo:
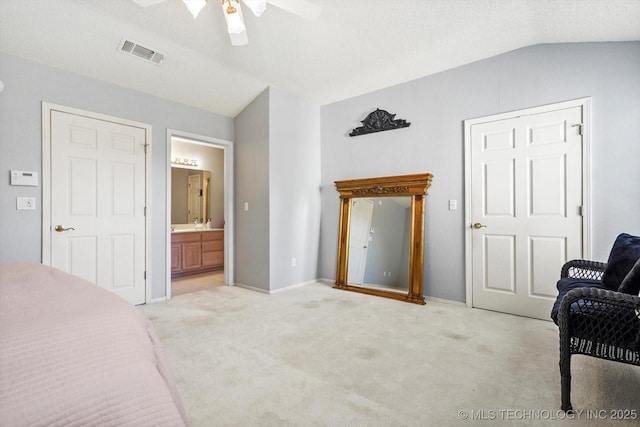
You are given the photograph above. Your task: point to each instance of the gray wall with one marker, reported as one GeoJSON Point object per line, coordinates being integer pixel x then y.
{"type": "Point", "coordinates": [251, 169]}
{"type": "Point", "coordinates": [27, 85]}
{"type": "Point", "coordinates": [278, 173]}
{"type": "Point", "coordinates": [436, 107]}
{"type": "Point", "coordinates": [294, 189]}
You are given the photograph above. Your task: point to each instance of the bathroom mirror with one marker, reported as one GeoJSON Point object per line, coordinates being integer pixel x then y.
{"type": "Point", "coordinates": [190, 199]}
{"type": "Point", "coordinates": [380, 237]}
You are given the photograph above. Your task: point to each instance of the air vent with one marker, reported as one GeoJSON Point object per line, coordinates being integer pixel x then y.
{"type": "Point", "coordinates": [133, 48]}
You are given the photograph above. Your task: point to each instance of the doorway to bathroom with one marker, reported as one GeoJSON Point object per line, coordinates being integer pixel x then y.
{"type": "Point", "coordinates": [199, 213]}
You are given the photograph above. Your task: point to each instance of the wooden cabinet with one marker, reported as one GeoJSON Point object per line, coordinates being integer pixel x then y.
{"type": "Point", "coordinates": [191, 256]}
{"type": "Point", "coordinates": [213, 249]}
{"type": "Point", "coordinates": [176, 257]}
{"type": "Point", "coordinates": [196, 252]}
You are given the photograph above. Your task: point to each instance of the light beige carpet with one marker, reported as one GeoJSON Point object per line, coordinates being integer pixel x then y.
{"type": "Point", "coordinates": [317, 356]}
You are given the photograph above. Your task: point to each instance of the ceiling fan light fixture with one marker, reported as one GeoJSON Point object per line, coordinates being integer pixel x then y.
{"type": "Point", "coordinates": [235, 23]}
{"type": "Point", "coordinates": [195, 6]}
{"type": "Point", "coordinates": [256, 6]}
{"type": "Point", "coordinates": [230, 8]}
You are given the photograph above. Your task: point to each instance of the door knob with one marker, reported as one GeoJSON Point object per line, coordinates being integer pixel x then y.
{"type": "Point", "coordinates": [60, 228]}
{"type": "Point", "coordinates": [478, 226]}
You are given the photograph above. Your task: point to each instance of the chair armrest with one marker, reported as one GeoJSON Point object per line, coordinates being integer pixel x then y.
{"type": "Point", "coordinates": [583, 269]}
{"type": "Point", "coordinates": [606, 316]}
{"type": "Point", "coordinates": [600, 323]}
{"type": "Point", "coordinates": [602, 297]}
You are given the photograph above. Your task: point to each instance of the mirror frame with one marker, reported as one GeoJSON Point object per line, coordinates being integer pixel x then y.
{"type": "Point", "coordinates": [416, 187]}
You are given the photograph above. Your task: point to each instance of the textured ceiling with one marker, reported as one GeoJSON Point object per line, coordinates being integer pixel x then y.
{"type": "Point", "coordinates": [354, 47]}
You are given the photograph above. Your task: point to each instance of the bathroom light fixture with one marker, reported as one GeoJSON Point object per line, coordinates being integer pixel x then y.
{"type": "Point", "coordinates": [184, 162]}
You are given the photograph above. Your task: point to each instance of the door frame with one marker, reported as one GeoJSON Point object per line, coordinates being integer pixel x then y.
{"type": "Point", "coordinates": [227, 146]}
{"type": "Point", "coordinates": [585, 104]}
{"type": "Point", "coordinates": [47, 108]}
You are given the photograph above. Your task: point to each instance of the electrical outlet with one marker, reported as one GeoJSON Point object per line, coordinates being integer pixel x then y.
{"type": "Point", "coordinates": [293, 262]}
{"type": "Point", "coordinates": [26, 203]}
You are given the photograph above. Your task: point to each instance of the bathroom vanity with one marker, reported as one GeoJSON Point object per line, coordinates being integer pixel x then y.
{"type": "Point", "coordinates": [196, 251]}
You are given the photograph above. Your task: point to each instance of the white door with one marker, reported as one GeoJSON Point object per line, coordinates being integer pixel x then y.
{"type": "Point", "coordinates": [195, 199]}
{"type": "Point", "coordinates": [526, 208]}
{"type": "Point", "coordinates": [359, 232]}
{"type": "Point", "coordinates": [98, 202]}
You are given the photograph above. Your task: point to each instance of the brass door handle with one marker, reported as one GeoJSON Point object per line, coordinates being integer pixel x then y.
{"type": "Point", "coordinates": [478, 226]}
{"type": "Point", "coordinates": [60, 228]}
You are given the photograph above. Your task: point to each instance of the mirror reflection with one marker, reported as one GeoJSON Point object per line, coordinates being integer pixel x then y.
{"type": "Point", "coordinates": [379, 243]}
{"type": "Point", "coordinates": [190, 198]}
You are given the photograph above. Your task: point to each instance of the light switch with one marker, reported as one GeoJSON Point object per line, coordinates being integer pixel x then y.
{"type": "Point", "coordinates": [453, 205]}
{"type": "Point", "coordinates": [246, 206]}
{"type": "Point", "coordinates": [26, 203]}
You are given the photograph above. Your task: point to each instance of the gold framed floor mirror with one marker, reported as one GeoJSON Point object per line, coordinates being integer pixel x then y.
{"type": "Point", "coordinates": [381, 236]}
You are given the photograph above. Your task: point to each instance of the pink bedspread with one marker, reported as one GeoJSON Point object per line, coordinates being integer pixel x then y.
{"type": "Point", "coordinates": [73, 354]}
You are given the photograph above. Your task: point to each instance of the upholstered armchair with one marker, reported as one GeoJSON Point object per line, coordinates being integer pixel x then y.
{"type": "Point", "coordinates": [598, 310]}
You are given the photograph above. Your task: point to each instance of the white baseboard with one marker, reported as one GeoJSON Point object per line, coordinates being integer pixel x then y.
{"type": "Point", "coordinates": [331, 282]}
{"type": "Point", "coordinates": [446, 301]}
{"type": "Point", "coordinates": [251, 288]}
{"type": "Point", "coordinates": [275, 291]}
{"type": "Point", "coordinates": [297, 285]}
{"type": "Point", "coordinates": [159, 299]}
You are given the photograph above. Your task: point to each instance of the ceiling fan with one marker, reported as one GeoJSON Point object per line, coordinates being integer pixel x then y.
{"type": "Point", "coordinates": [233, 12]}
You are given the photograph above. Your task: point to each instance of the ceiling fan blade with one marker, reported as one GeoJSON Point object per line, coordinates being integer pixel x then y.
{"type": "Point", "coordinates": [240, 39]}
{"type": "Point", "coordinates": [147, 3]}
{"type": "Point", "coordinates": [303, 8]}
{"type": "Point", "coordinates": [256, 6]}
{"type": "Point", "coordinates": [194, 6]}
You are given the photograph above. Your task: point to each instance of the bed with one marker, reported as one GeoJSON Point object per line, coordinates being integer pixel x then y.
{"type": "Point", "coordinates": [73, 354]}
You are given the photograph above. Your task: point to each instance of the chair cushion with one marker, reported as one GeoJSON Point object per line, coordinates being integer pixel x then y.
{"type": "Point", "coordinates": [624, 254]}
{"type": "Point", "coordinates": [631, 282]}
{"type": "Point", "coordinates": [565, 285]}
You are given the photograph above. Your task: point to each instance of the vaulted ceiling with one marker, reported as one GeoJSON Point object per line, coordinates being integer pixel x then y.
{"type": "Point", "coordinates": [353, 47]}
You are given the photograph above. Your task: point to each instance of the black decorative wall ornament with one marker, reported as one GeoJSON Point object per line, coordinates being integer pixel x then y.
{"type": "Point", "coordinates": [377, 121]}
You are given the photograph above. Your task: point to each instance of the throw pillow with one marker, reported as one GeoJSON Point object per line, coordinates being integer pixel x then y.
{"type": "Point", "coordinates": [624, 254]}
{"type": "Point", "coordinates": [631, 283]}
